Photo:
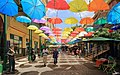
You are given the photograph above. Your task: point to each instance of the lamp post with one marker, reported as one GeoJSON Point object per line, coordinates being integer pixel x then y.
{"type": "Point", "coordinates": [31, 28]}
{"type": "Point", "coordinates": [5, 42]}
{"type": "Point", "coordinates": [38, 32]}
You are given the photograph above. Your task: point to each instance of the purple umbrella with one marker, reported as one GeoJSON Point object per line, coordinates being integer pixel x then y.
{"type": "Point", "coordinates": [48, 32]}
{"type": "Point", "coordinates": [39, 21]}
{"type": "Point", "coordinates": [51, 34]}
{"type": "Point", "coordinates": [45, 28]}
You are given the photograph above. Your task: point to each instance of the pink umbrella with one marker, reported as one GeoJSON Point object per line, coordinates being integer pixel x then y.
{"type": "Point", "coordinates": [39, 21]}
{"type": "Point", "coordinates": [48, 32]}
{"type": "Point", "coordinates": [45, 28]}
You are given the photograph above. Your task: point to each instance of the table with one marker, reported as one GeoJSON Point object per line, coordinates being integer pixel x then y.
{"type": "Point", "coordinates": [100, 61]}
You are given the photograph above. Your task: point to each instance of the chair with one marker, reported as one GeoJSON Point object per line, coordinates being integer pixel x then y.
{"type": "Point", "coordinates": [110, 67]}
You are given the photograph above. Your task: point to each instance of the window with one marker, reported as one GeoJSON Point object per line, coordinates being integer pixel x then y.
{"type": "Point", "coordinates": [17, 42]}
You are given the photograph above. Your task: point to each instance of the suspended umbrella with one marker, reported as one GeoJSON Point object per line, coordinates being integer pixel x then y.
{"type": "Point", "coordinates": [97, 5]}
{"type": "Point", "coordinates": [58, 4]}
{"type": "Point", "coordinates": [32, 27]}
{"type": "Point", "coordinates": [44, 28]}
{"type": "Point", "coordinates": [38, 31]}
{"type": "Point", "coordinates": [100, 21]}
{"type": "Point", "coordinates": [55, 20]}
{"type": "Point", "coordinates": [8, 7]}
{"type": "Point", "coordinates": [78, 6]}
{"type": "Point", "coordinates": [65, 32]}
{"type": "Point", "coordinates": [39, 21]}
{"type": "Point", "coordinates": [74, 32]}
{"type": "Point", "coordinates": [89, 29]}
{"type": "Point", "coordinates": [68, 29]}
{"type": "Point", "coordinates": [35, 9]}
{"type": "Point", "coordinates": [56, 29]}
{"type": "Point", "coordinates": [57, 32]}
{"type": "Point", "coordinates": [86, 20]}
{"type": "Point", "coordinates": [23, 19]}
{"type": "Point", "coordinates": [48, 32]}
{"type": "Point", "coordinates": [79, 29]}
{"type": "Point", "coordinates": [71, 20]}
{"type": "Point", "coordinates": [113, 16]}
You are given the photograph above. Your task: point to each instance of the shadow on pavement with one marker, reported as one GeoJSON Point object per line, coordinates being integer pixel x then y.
{"type": "Point", "coordinates": [30, 73]}
{"type": "Point", "coordinates": [85, 69]}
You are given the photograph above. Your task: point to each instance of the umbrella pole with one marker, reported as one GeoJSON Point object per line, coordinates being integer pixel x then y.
{"type": "Point", "coordinates": [30, 45]}
{"type": "Point", "coordinates": [40, 49]}
{"type": "Point", "coordinates": [40, 52]}
{"type": "Point", "coordinates": [5, 42]}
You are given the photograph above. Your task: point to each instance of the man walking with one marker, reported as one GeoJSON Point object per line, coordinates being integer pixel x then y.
{"type": "Point", "coordinates": [55, 56]}
{"type": "Point", "coordinates": [45, 53]}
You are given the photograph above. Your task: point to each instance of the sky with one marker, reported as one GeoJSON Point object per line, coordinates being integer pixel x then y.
{"type": "Point", "coordinates": [63, 14]}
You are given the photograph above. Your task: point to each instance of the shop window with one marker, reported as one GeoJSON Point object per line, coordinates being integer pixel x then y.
{"type": "Point", "coordinates": [17, 42]}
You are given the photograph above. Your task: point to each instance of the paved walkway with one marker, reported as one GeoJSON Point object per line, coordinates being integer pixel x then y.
{"type": "Point", "coordinates": [67, 65]}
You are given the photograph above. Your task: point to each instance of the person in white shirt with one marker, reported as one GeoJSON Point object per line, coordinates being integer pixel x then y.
{"type": "Point", "coordinates": [45, 53]}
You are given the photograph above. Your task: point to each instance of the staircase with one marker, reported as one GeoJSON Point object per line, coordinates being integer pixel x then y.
{"type": "Point", "coordinates": [94, 55]}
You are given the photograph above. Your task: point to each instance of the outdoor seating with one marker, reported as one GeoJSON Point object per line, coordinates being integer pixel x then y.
{"type": "Point", "coordinates": [100, 62]}
{"type": "Point", "coordinates": [110, 66]}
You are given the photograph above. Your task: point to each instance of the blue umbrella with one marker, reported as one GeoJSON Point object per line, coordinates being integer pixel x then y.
{"type": "Point", "coordinates": [23, 19]}
{"type": "Point", "coordinates": [8, 7]}
{"type": "Point", "coordinates": [113, 16]}
{"type": "Point", "coordinates": [35, 9]}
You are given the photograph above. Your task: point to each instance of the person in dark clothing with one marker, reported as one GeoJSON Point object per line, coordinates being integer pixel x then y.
{"type": "Point", "coordinates": [55, 56]}
{"type": "Point", "coordinates": [11, 54]}
{"type": "Point", "coordinates": [33, 55]}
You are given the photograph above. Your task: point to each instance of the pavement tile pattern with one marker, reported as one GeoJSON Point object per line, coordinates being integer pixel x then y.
{"type": "Point", "coordinates": [67, 65]}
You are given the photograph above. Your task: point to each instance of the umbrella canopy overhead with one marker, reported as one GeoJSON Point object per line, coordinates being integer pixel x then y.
{"type": "Point", "coordinates": [23, 19]}
{"type": "Point", "coordinates": [8, 7]}
{"type": "Point", "coordinates": [78, 6]}
{"type": "Point", "coordinates": [38, 31]}
{"type": "Point", "coordinates": [55, 20]}
{"type": "Point", "coordinates": [97, 5]}
{"type": "Point", "coordinates": [58, 4]}
{"type": "Point", "coordinates": [32, 27]}
{"type": "Point", "coordinates": [86, 20]}
{"type": "Point", "coordinates": [68, 29]}
{"type": "Point", "coordinates": [113, 16]}
{"type": "Point", "coordinates": [35, 9]}
{"type": "Point", "coordinates": [44, 28]}
{"type": "Point", "coordinates": [79, 29]}
{"type": "Point", "coordinates": [56, 29]}
{"type": "Point", "coordinates": [102, 20]}
{"type": "Point", "coordinates": [39, 21]}
{"type": "Point", "coordinates": [89, 29]}
{"type": "Point", "coordinates": [71, 20]}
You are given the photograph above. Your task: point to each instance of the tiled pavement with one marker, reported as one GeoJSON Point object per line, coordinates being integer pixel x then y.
{"type": "Point", "coordinates": [67, 65]}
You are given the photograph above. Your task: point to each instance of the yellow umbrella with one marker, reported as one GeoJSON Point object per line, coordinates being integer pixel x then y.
{"type": "Point", "coordinates": [71, 20]}
{"type": "Point", "coordinates": [38, 31]}
{"type": "Point", "coordinates": [78, 6]}
{"type": "Point", "coordinates": [65, 32]}
{"type": "Point", "coordinates": [68, 29]}
{"type": "Point", "coordinates": [32, 27]}
{"type": "Point", "coordinates": [65, 35]}
{"type": "Point", "coordinates": [41, 34]}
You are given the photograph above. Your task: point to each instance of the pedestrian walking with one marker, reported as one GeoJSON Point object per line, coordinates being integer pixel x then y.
{"type": "Point", "coordinates": [55, 56]}
{"type": "Point", "coordinates": [45, 53]}
{"type": "Point", "coordinates": [80, 51]}
{"type": "Point", "coordinates": [11, 54]}
{"type": "Point", "coordinates": [33, 55]}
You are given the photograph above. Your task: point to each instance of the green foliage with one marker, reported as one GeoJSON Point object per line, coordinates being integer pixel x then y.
{"type": "Point", "coordinates": [104, 32]}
